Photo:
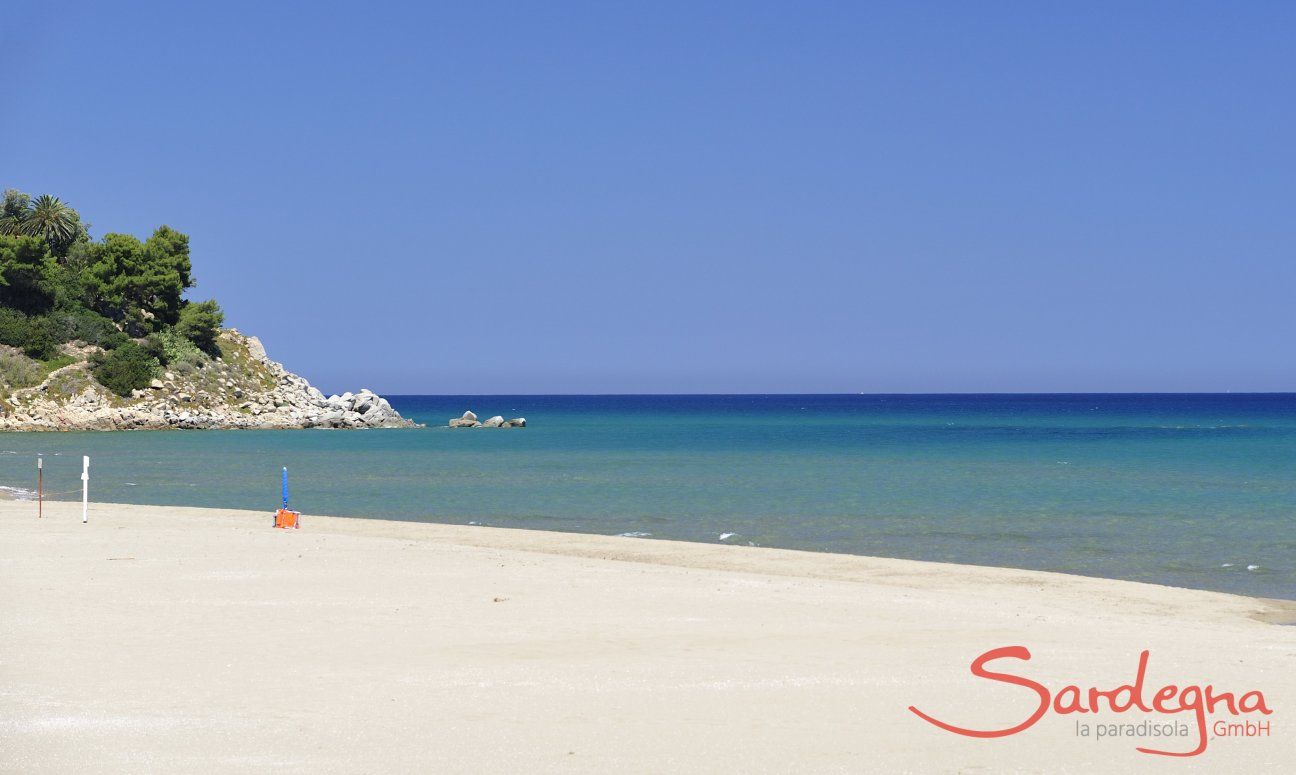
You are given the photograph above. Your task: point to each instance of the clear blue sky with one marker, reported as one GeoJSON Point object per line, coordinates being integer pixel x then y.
{"type": "Point", "coordinates": [695, 197]}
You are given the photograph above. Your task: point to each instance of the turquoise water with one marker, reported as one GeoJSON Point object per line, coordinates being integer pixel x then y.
{"type": "Point", "coordinates": [1187, 490]}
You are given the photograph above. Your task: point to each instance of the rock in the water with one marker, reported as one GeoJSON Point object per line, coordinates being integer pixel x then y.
{"type": "Point", "coordinates": [469, 420]}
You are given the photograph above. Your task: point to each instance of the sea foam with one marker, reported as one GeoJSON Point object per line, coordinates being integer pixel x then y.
{"type": "Point", "coordinates": [18, 493]}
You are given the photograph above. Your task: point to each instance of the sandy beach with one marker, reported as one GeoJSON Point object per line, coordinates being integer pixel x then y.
{"type": "Point", "coordinates": [196, 640]}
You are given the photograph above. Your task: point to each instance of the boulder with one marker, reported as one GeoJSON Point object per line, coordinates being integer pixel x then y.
{"type": "Point", "coordinates": [256, 349]}
{"type": "Point", "coordinates": [516, 422]}
{"type": "Point", "coordinates": [493, 422]}
{"type": "Point", "coordinates": [381, 415]}
{"type": "Point", "coordinates": [469, 420]}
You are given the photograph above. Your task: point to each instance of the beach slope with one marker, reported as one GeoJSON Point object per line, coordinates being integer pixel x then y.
{"type": "Point", "coordinates": [173, 640]}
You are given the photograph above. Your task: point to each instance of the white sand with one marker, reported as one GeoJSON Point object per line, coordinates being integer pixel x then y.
{"type": "Point", "coordinates": [172, 640]}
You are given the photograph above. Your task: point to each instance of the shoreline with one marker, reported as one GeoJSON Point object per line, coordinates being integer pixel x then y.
{"type": "Point", "coordinates": [184, 638]}
{"type": "Point", "coordinates": [765, 560]}
{"type": "Point", "coordinates": [1285, 612]}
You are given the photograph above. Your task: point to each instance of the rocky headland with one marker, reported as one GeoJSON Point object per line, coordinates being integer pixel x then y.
{"type": "Point", "coordinates": [239, 388]}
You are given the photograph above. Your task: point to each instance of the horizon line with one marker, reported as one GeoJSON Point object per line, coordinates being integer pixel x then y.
{"type": "Point", "coordinates": [916, 393]}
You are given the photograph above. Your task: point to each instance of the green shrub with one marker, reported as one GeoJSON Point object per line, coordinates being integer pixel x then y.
{"type": "Point", "coordinates": [19, 371]}
{"type": "Point", "coordinates": [34, 336]}
{"type": "Point", "coordinates": [79, 323]}
{"type": "Point", "coordinates": [59, 324]}
{"type": "Point", "coordinates": [200, 323]}
{"type": "Point", "coordinates": [184, 369]}
{"type": "Point", "coordinates": [41, 342]}
{"type": "Point", "coordinates": [14, 327]}
{"type": "Point", "coordinates": [191, 359]}
{"type": "Point", "coordinates": [114, 340]}
{"type": "Point", "coordinates": [128, 367]}
{"type": "Point", "coordinates": [153, 345]}
{"type": "Point", "coordinates": [171, 348]}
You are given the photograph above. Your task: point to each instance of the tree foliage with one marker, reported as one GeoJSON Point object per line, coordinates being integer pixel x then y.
{"type": "Point", "coordinates": [45, 217]}
{"type": "Point", "coordinates": [139, 284]}
{"type": "Point", "coordinates": [200, 323]}
{"type": "Point", "coordinates": [52, 220]}
{"type": "Point", "coordinates": [27, 274]}
{"type": "Point", "coordinates": [57, 285]}
{"type": "Point", "coordinates": [13, 212]}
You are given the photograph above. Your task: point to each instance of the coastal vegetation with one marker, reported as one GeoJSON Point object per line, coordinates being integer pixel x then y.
{"type": "Point", "coordinates": [118, 301]}
{"type": "Point", "coordinates": [96, 334]}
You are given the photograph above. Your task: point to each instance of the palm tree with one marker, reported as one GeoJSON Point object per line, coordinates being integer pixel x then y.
{"type": "Point", "coordinates": [52, 219]}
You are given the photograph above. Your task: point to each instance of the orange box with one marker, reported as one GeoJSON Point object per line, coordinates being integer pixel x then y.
{"type": "Point", "coordinates": [285, 518]}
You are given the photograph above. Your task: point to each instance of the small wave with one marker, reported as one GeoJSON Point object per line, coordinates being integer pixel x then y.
{"type": "Point", "coordinates": [1199, 427]}
{"type": "Point", "coordinates": [633, 534]}
{"type": "Point", "coordinates": [18, 493]}
{"type": "Point", "coordinates": [1227, 565]}
{"type": "Point", "coordinates": [727, 536]}
{"type": "Point", "coordinates": [1253, 567]}
{"type": "Point", "coordinates": [130, 484]}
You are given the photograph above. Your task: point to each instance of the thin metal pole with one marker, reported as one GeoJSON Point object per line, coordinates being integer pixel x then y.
{"type": "Point", "coordinates": [40, 488]}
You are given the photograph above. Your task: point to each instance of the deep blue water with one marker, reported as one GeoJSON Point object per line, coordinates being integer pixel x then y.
{"type": "Point", "coordinates": [1187, 490]}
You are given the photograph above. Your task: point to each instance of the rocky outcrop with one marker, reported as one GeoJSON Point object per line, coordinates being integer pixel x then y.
{"type": "Point", "coordinates": [362, 410]}
{"type": "Point", "coordinates": [469, 420]}
{"type": "Point", "coordinates": [241, 389]}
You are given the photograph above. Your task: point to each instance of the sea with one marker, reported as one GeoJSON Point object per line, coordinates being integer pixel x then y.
{"type": "Point", "coordinates": [1189, 490]}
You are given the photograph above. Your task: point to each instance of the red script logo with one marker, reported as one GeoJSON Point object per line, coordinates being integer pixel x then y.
{"type": "Point", "coordinates": [1169, 700]}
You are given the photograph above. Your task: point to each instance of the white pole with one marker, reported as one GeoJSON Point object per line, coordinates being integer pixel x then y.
{"type": "Point", "coordinates": [85, 489]}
